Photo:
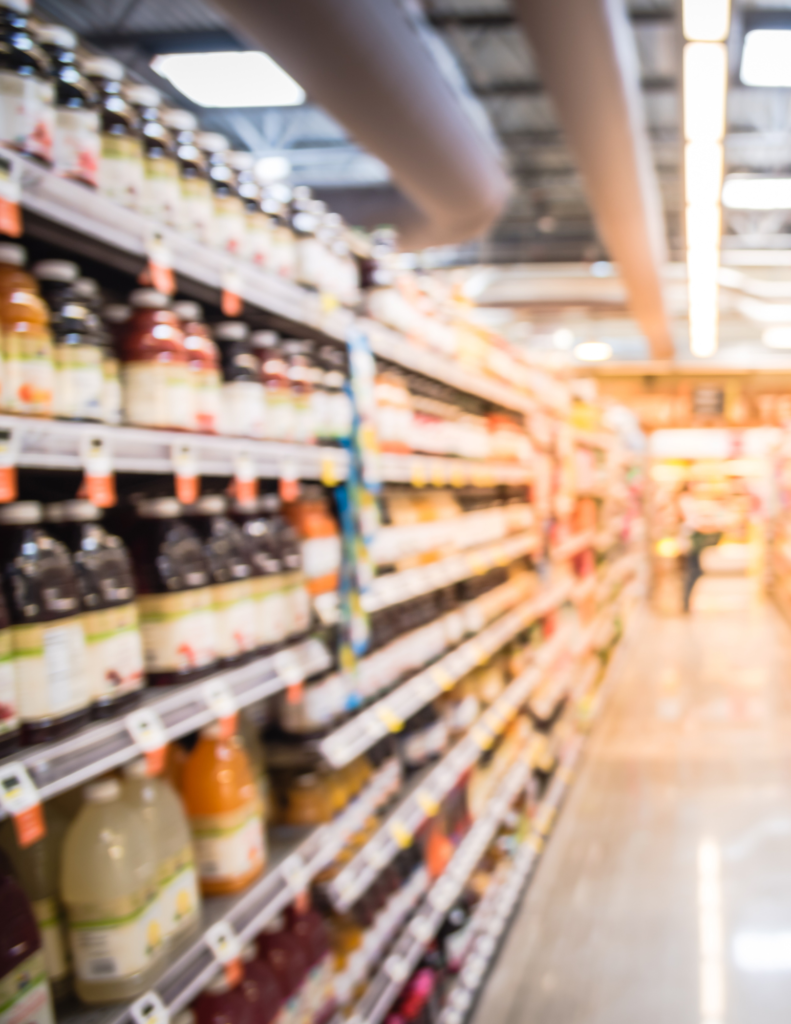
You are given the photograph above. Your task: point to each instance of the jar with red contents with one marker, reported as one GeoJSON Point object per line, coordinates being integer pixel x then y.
{"type": "Point", "coordinates": [157, 389]}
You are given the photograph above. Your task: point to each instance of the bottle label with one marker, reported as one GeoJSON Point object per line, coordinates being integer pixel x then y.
{"type": "Point", "coordinates": [112, 401]}
{"type": "Point", "coordinates": [23, 124]}
{"type": "Point", "coordinates": [79, 382]}
{"type": "Point", "coordinates": [121, 169]}
{"type": "Point", "coordinates": [50, 668]}
{"type": "Point", "coordinates": [158, 395]}
{"type": "Point", "coordinates": [9, 717]}
{"type": "Point", "coordinates": [24, 993]}
{"type": "Point", "coordinates": [340, 416]}
{"type": "Point", "coordinates": [178, 630]}
{"type": "Point", "coordinates": [272, 614]}
{"type": "Point", "coordinates": [112, 948]}
{"type": "Point", "coordinates": [229, 846]}
{"type": "Point", "coordinates": [115, 651]}
{"type": "Point", "coordinates": [77, 145]}
{"type": "Point", "coordinates": [243, 408]}
{"type": "Point", "coordinates": [321, 556]}
{"type": "Point", "coordinates": [206, 386]}
{"type": "Point", "coordinates": [178, 896]}
{"type": "Point", "coordinates": [50, 928]}
{"type": "Point", "coordinates": [303, 422]}
{"type": "Point", "coordinates": [228, 223]}
{"type": "Point", "coordinates": [29, 369]}
{"type": "Point", "coordinates": [298, 603]}
{"type": "Point", "coordinates": [196, 209]}
{"type": "Point", "coordinates": [235, 617]}
{"type": "Point", "coordinates": [279, 414]}
{"type": "Point", "coordinates": [161, 190]}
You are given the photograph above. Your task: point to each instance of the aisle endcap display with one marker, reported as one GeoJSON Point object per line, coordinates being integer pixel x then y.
{"type": "Point", "coordinates": [62, 765]}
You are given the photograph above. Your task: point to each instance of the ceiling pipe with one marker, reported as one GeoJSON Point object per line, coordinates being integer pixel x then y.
{"type": "Point", "coordinates": [365, 63]}
{"type": "Point", "coordinates": [587, 61]}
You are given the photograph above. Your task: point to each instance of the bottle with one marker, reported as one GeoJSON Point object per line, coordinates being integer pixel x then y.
{"type": "Point", "coordinates": [89, 293]}
{"type": "Point", "coordinates": [76, 142]}
{"type": "Point", "coordinates": [203, 361]}
{"type": "Point", "coordinates": [27, 109]}
{"type": "Point", "coordinates": [108, 883]}
{"type": "Point", "coordinates": [161, 192]}
{"type": "Point", "coordinates": [260, 987]}
{"type": "Point", "coordinates": [231, 573]}
{"type": "Point", "coordinates": [228, 225]}
{"type": "Point", "coordinates": [305, 219]}
{"type": "Point", "coordinates": [224, 810]}
{"type": "Point", "coordinates": [43, 598]}
{"type": "Point", "coordinates": [156, 377]}
{"type": "Point", "coordinates": [113, 317]}
{"type": "Point", "coordinates": [9, 710]}
{"type": "Point", "coordinates": [320, 539]}
{"type": "Point", "coordinates": [311, 932]}
{"type": "Point", "coordinates": [121, 156]}
{"type": "Point", "coordinates": [301, 377]}
{"type": "Point", "coordinates": [195, 193]}
{"type": "Point", "coordinates": [295, 584]}
{"type": "Point", "coordinates": [222, 1002]}
{"type": "Point", "coordinates": [174, 594]}
{"type": "Point", "coordinates": [79, 350]}
{"type": "Point", "coordinates": [242, 390]}
{"type": "Point", "coordinates": [278, 400]}
{"type": "Point", "coordinates": [335, 427]}
{"type": "Point", "coordinates": [283, 249]}
{"type": "Point", "coordinates": [112, 632]}
{"type": "Point", "coordinates": [23, 979]}
{"type": "Point", "coordinates": [28, 362]}
{"type": "Point", "coordinates": [268, 584]}
{"type": "Point", "coordinates": [284, 953]}
{"type": "Point", "coordinates": [177, 880]}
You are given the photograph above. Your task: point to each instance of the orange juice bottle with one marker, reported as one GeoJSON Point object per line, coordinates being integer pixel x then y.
{"type": "Point", "coordinates": [224, 809]}
{"type": "Point", "coordinates": [28, 356]}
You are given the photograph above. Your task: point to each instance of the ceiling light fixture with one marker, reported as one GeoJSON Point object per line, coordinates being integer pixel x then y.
{"type": "Point", "coordinates": [246, 78]}
{"type": "Point", "coordinates": [593, 351]}
{"type": "Point", "coordinates": [777, 337]}
{"type": "Point", "coordinates": [705, 61]}
{"type": "Point", "coordinates": [766, 57]}
{"type": "Point", "coordinates": [746, 193]}
{"type": "Point", "coordinates": [563, 338]}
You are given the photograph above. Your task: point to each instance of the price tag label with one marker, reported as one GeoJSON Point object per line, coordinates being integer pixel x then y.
{"type": "Point", "coordinates": [389, 718]}
{"type": "Point", "coordinates": [438, 475]}
{"type": "Point", "coordinates": [10, 191]}
{"type": "Point", "coordinates": [329, 472]}
{"type": "Point", "coordinates": [245, 478]}
{"type": "Point", "coordinates": [421, 928]}
{"type": "Point", "coordinates": [396, 969]}
{"type": "Point", "coordinates": [185, 471]}
{"type": "Point", "coordinates": [481, 737]}
{"type": "Point", "coordinates": [231, 302]}
{"type": "Point", "coordinates": [297, 879]}
{"type": "Point", "coordinates": [160, 262]}
{"type": "Point", "coordinates": [147, 731]}
{"type": "Point", "coordinates": [222, 704]}
{"type": "Point", "coordinates": [9, 489]}
{"type": "Point", "coordinates": [98, 472]}
{"type": "Point", "coordinates": [427, 802]}
{"type": "Point", "coordinates": [444, 680]}
{"type": "Point", "coordinates": [417, 473]}
{"type": "Point", "coordinates": [401, 834]}
{"type": "Point", "coordinates": [458, 476]}
{"type": "Point", "coordinates": [20, 800]}
{"type": "Point", "coordinates": [149, 1009]}
{"type": "Point", "coordinates": [378, 857]}
{"type": "Point", "coordinates": [224, 945]}
{"type": "Point", "coordinates": [288, 483]}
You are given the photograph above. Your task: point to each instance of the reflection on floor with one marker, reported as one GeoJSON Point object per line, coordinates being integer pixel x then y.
{"type": "Point", "coordinates": [664, 895]}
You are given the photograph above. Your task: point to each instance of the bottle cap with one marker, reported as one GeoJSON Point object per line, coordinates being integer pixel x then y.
{"type": "Point", "coordinates": [77, 510]}
{"type": "Point", "coordinates": [63, 271]}
{"type": "Point", "coordinates": [208, 505]}
{"type": "Point", "coordinates": [104, 791]}
{"type": "Point", "coordinates": [240, 160]}
{"type": "Point", "coordinates": [13, 255]}
{"type": "Point", "coordinates": [212, 142]}
{"type": "Point", "coordinates": [187, 310]}
{"type": "Point", "coordinates": [21, 513]}
{"type": "Point", "coordinates": [148, 298]}
{"type": "Point", "coordinates": [137, 769]}
{"type": "Point", "coordinates": [116, 312]}
{"type": "Point", "coordinates": [264, 339]}
{"type": "Point", "coordinates": [103, 67]}
{"type": "Point", "coordinates": [231, 330]}
{"type": "Point", "coordinates": [142, 95]}
{"type": "Point", "coordinates": [87, 288]}
{"type": "Point", "coordinates": [179, 120]}
{"type": "Point", "coordinates": [159, 508]}
{"type": "Point", "coordinates": [56, 35]}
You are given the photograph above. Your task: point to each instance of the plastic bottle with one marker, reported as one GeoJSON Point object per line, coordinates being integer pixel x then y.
{"type": "Point", "coordinates": [112, 631]}
{"type": "Point", "coordinates": [283, 243]}
{"type": "Point", "coordinates": [224, 810]}
{"type": "Point", "coordinates": [23, 980]}
{"type": "Point", "coordinates": [242, 390]}
{"type": "Point", "coordinates": [76, 143]}
{"type": "Point", "coordinates": [272, 614]}
{"type": "Point", "coordinates": [260, 987]}
{"type": "Point", "coordinates": [49, 643]}
{"type": "Point", "coordinates": [195, 193]}
{"type": "Point", "coordinates": [228, 225]}
{"type": "Point", "coordinates": [28, 362]}
{"type": "Point", "coordinates": [161, 192]}
{"type": "Point", "coordinates": [278, 400]}
{"type": "Point", "coordinates": [287, 957]}
{"type": "Point", "coordinates": [320, 537]}
{"type": "Point", "coordinates": [311, 932]}
{"type": "Point", "coordinates": [27, 110]}
{"type": "Point", "coordinates": [301, 375]}
{"type": "Point", "coordinates": [9, 703]}
{"type": "Point", "coordinates": [174, 594]}
{"type": "Point", "coordinates": [295, 583]}
{"type": "Point", "coordinates": [224, 1003]}
{"type": "Point", "coordinates": [203, 360]}
{"type": "Point", "coordinates": [121, 160]}
{"type": "Point", "coordinates": [177, 880]}
{"type": "Point", "coordinates": [109, 889]}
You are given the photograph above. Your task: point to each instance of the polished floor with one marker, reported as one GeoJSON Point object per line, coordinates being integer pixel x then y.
{"type": "Point", "coordinates": [664, 895]}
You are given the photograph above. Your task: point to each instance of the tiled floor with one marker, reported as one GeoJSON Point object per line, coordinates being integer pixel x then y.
{"type": "Point", "coordinates": [664, 895]}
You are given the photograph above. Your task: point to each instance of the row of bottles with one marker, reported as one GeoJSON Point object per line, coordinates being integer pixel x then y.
{"type": "Point", "coordinates": [88, 615]}
{"type": "Point", "coordinates": [79, 114]}
{"type": "Point", "coordinates": [154, 363]}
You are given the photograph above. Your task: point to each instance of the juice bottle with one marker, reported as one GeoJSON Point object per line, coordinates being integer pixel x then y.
{"type": "Point", "coordinates": [297, 594]}
{"type": "Point", "coordinates": [311, 932]}
{"type": "Point", "coordinates": [227, 206]}
{"type": "Point", "coordinates": [26, 89]}
{"type": "Point", "coordinates": [195, 194]}
{"type": "Point", "coordinates": [231, 572]}
{"type": "Point", "coordinates": [224, 810]}
{"type": "Point", "coordinates": [121, 160]}
{"type": "Point", "coordinates": [268, 584]}
{"type": "Point", "coordinates": [43, 598]}
{"type": "Point", "coordinates": [260, 986]}
{"type": "Point", "coordinates": [224, 1003]}
{"type": "Point", "coordinates": [36, 868]}
{"type": "Point", "coordinates": [161, 193]}
{"type": "Point", "coordinates": [174, 594]}
{"type": "Point", "coordinates": [108, 883]}
{"type": "Point", "coordinates": [203, 359]}
{"type": "Point", "coordinates": [278, 402]}
{"type": "Point", "coordinates": [24, 990]}
{"type": "Point", "coordinates": [242, 390]}
{"type": "Point", "coordinates": [177, 880]}
{"type": "Point", "coordinates": [28, 360]}
{"type": "Point", "coordinates": [320, 537]}
{"type": "Point", "coordinates": [112, 632]}
{"type": "Point", "coordinates": [287, 957]}
{"type": "Point", "coordinates": [9, 710]}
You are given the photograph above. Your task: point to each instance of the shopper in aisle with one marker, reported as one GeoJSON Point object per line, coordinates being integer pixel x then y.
{"type": "Point", "coordinates": [702, 525]}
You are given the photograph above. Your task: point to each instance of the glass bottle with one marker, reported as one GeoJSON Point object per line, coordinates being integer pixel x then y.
{"type": "Point", "coordinates": [242, 390]}
{"type": "Point", "coordinates": [28, 363]}
{"type": "Point", "coordinates": [228, 226]}
{"type": "Point", "coordinates": [195, 192]}
{"type": "Point", "coordinates": [161, 191]}
{"type": "Point", "coordinates": [121, 159]}
{"type": "Point", "coordinates": [27, 109]}
{"type": "Point", "coordinates": [203, 360]}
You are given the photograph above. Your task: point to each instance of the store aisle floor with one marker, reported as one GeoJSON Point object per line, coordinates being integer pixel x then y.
{"type": "Point", "coordinates": [664, 895]}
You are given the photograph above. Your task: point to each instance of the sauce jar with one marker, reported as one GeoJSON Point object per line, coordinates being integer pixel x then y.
{"type": "Point", "coordinates": [121, 158]}
{"type": "Point", "coordinates": [203, 360]}
{"type": "Point", "coordinates": [228, 223]}
{"type": "Point", "coordinates": [278, 399]}
{"type": "Point", "coordinates": [242, 390]}
{"type": "Point", "coordinates": [27, 110]}
{"type": "Point", "coordinates": [28, 358]}
{"type": "Point", "coordinates": [161, 190]}
{"type": "Point", "coordinates": [320, 539]}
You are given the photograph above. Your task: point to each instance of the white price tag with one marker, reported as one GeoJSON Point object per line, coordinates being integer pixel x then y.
{"type": "Point", "coordinates": [148, 733]}
{"type": "Point", "coordinates": [296, 876]}
{"type": "Point", "coordinates": [395, 967]}
{"type": "Point", "coordinates": [421, 928]}
{"type": "Point", "coordinates": [288, 667]}
{"type": "Point", "coordinates": [222, 704]}
{"type": "Point", "coordinates": [20, 800]}
{"type": "Point", "coordinates": [149, 1009]}
{"type": "Point", "coordinates": [223, 943]}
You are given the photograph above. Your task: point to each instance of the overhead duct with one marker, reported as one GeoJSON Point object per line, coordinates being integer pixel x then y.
{"type": "Point", "coordinates": [587, 61]}
{"type": "Point", "coordinates": [368, 67]}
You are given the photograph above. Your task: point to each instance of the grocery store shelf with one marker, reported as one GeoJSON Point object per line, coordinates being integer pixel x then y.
{"type": "Point", "coordinates": [440, 471]}
{"type": "Point", "coordinates": [594, 439]}
{"type": "Point", "coordinates": [573, 546]}
{"type": "Point", "coordinates": [101, 747]}
{"type": "Point", "coordinates": [388, 715]}
{"type": "Point", "coordinates": [410, 946]}
{"type": "Point", "coordinates": [404, 823]}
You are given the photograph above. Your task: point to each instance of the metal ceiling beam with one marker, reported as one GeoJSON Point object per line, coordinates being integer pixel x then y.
{"type": "Point", "coordinates": [652, 85]}
{"type": "Point", "coordinates": [585, 53]}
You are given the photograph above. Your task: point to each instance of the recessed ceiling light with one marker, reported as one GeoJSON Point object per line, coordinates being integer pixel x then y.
{"type": "Point", "coordinates": [757, 193]}
{"type": "Point", "coordinates": [766, 57]}
{"type": "Point", "coordinates": [593, 351]}
{"type": "Point", "coordinates": [245, 78]}
{"type": "Point", "coordinates": [777, 337]}
{"type": "Point", "coordinates": [563, 338]}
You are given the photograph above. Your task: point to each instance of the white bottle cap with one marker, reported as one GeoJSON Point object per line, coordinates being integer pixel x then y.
{"type": "Point", "coordinates": [186, 309]}
{"type": "Point", "coordinates": [116, 312]}
{"type": "Point", "coordinates": [56, 35]}
{"type": "Point", "coordinates": [142, 95]}
{"type": "Point", "coordinates": [77, 510]}
{"type": "Point", "coordinates": [208, 505]}
{"type": "Point", "coordinates": [159, 508]}
{"type": "Point", "coordinates": [104, 791]}
{"type": "Point", "coordinates": [231, 330]}
{"type": "Point", "coordinates": [149, 298]}
{"type": "Point", "coordinates": [103, 67]}
{"type": "Point", "coordinates": [212, 142]}
{"type": "Point", "coordinates": [179, 120]}
{"type": "Point", "coordinates": [21, 513]}
{"type": "Point", "coordinates": [13, 255]}
{"type": "Point", "coordinates": [137, 769]}
{"type": "Point", "coordinates": [63, 271]}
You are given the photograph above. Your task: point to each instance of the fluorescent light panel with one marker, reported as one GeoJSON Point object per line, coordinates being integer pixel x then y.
{"type": "Point", "coordinates": [593, 351]}
{"type": "Point", "coordinates": [777, 337]}
{"type": "Point", "coordinates": [246, 78]}
{"type": "Point", "coordinates": [703, 172]}
{"type": "Point", "coordinates": [740, 193]}
{"type": "Point", "coordinates": [706, 21]}
{"type": "Point", "coordinates": [705, 88]}
{"type": "Point", "coordinates": [766, 57]}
